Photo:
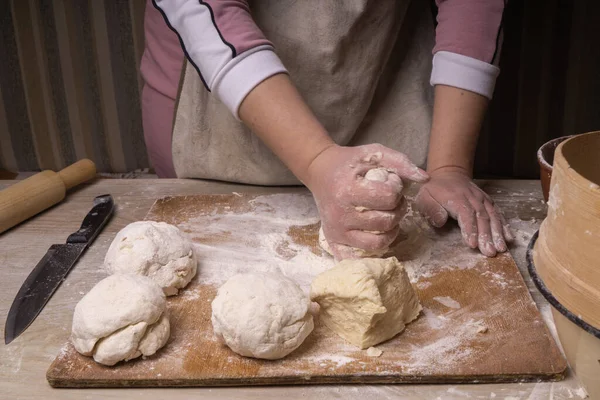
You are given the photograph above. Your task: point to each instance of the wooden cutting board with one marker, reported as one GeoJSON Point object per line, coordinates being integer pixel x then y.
{"type": "Point", "coordinates": [479, 322]}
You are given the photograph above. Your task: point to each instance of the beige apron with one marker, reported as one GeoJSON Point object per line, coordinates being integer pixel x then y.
{"type": "Point", "coordinates": [362, 66]}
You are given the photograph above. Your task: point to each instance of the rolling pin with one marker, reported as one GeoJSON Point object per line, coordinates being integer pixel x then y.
{"type": "Point", "coordinates": [41, 191]}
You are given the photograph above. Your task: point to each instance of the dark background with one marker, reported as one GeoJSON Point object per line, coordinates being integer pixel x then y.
{"type": "Point", "coordinates": [549, 85]}
{"type": "Point", "coordinates": [70, 84]}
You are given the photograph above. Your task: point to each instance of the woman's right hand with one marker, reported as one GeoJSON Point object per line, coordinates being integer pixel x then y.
{"type": "Point", "coordinates": [358, 211]}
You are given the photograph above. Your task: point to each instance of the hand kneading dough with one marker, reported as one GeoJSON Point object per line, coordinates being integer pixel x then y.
{"type": "Point", "coordinates": [261, 315]}
{"type": "Point", "coordinates": [154, 249]}
{"type": "Point", "coordinates": [121, 318]}
{"type": "Point", "coordinates": [374, 175]}
{"type": "Point", "coordinates": [366, 301]}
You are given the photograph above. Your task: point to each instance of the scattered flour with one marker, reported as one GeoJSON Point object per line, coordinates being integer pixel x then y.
{"type": "Point", "coordinates": [257, 241]}
{"type": "Point", "coordinates": [423, 285]}
{"type": "Point", "coordinates": [434, 321]}
{"type": "Point", "coordinates": [13, 358]}
{"type": "Point", "coordinates": [498, 279]}
{"type": "Point", "coordinates": [327, 360]}
{"type": "Point", "coordinates": [478, 326]}
{"type": "Point", "coordinates": [447, 351]}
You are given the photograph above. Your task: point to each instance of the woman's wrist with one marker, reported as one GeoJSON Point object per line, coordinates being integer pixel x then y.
{"type": "Point", "coordinates": [450, 168]}
{"type": "Point", "coordinates": [312, 171]}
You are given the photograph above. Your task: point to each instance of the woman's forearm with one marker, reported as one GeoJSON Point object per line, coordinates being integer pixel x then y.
{"type": "Point", "coordinates": [457, 119]}
{"type": "Point", "coordinates": [277, 114]}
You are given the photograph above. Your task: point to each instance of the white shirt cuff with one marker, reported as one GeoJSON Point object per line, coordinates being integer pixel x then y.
{"type": "Point", "coordinates": [464, 72]}
{"type": "Point", "coordinates": [244, 73]}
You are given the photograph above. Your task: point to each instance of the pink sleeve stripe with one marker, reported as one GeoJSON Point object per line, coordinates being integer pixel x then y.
{"type": "Point", "coordinates": [224, 45]}
{"type": "Point", "coordinates": [469, 27]}
{"type": "Point", "coordinates": [237, 29]}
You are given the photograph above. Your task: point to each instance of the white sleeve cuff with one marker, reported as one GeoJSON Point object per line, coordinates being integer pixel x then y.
{"type": "Point", "coordinates": [464, 72]}
{"type": "Point", "coordinates": [243, 73]}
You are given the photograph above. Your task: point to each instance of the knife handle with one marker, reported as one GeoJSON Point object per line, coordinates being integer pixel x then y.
{"type": "Point", "coordinates": [94, 221]}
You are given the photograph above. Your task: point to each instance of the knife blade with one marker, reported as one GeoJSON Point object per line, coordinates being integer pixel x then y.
{"type": "Point", "coordinates": [53, 268]}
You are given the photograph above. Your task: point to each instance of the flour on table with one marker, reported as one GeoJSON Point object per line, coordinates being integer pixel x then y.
{"type": "Point", "coordinates": [258, 240]}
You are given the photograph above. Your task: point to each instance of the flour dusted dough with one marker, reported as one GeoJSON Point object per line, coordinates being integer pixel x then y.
{"type": "Point", "coordinates": [377, 175]}
{"type": "Point", "coordinates": [154, 249]}
{"type": "Point", "coordinates": [261, 315]}
{"type": "Point", "coordinates": [366, 301]}
{"type": "Point", "coordinates": [121, 318]}
{"type": "Point", "coordinates": [358, 253]}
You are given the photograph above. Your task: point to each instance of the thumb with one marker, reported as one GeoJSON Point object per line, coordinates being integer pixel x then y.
{"type": "Point", "coordinates": [433, 211]}
{"type": "Point", "coordinates": [401, 165]}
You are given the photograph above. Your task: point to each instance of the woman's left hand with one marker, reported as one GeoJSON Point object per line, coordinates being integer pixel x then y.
{"type": "Point", "coordinates": [453, 193]}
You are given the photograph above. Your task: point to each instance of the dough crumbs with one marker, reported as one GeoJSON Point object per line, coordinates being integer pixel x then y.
{"type": "Point", "coordinates": [447, 301]}
{"type": "Point", "coordinates": [478, 326]}
{"type": "Point", "coordinates": [374, 352]}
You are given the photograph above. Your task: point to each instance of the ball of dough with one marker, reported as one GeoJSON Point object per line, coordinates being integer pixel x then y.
{"type": "Point", "coordinates": [261, 315]}
{"type": "Point", "coordinates": [366, 301]}
{"type": "Point", "coordinates": [377, 175]}
{"type": "Point", "coordinates": [154, 249]}
{"type": "Point", "coordinates": [121, 318]}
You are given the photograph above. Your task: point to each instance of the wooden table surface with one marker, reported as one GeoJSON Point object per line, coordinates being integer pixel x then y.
{"type": "Point", "coordinates": [24, 362]}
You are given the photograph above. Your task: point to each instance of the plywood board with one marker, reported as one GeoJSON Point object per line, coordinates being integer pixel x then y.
{"type": "Point", "coordinates": [479, 322]}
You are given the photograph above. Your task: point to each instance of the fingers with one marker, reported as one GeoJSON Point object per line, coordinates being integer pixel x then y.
{"type": "Point", "coordinates": [467, 221]}
{"type": "Point", "coordinates": [484, 231]}
{"type": "Point", "coordinates": [496, 226]}
{"type": "Point", "coordinates": [394, 161]}
{"type": "Point", "coordinates": [508, 235]}
{"type": "Point", "coordinates": [371, 241]}
{"type": "Point", "coordinates": [380, 221]}
{"type": "Point", "coordinates": [435, 214]}
{"type": "Point", "coordinates": [382, 196]}
{"type": "Point", "coordinates": [494, 211]}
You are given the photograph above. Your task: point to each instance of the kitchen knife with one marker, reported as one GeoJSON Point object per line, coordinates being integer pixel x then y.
{"type": "Point", "coordinates": [53, 268]}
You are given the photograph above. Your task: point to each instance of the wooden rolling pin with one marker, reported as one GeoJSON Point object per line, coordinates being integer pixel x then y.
{"type": "Point", "coordinates": [41, 191]}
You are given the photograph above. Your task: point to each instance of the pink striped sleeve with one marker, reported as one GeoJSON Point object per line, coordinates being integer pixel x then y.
{"type": "Point", "coordinates": [221, 40]}
{"type": "Point", "coordinates": [468, 39]}
{"type": "Point", "coordinates": [234, 21]}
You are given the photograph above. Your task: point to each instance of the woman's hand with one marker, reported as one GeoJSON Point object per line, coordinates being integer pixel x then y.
{"type": "Point", "coordinates": [357, 210]}
{"type": "Point", "coordinates": [453, 193]}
